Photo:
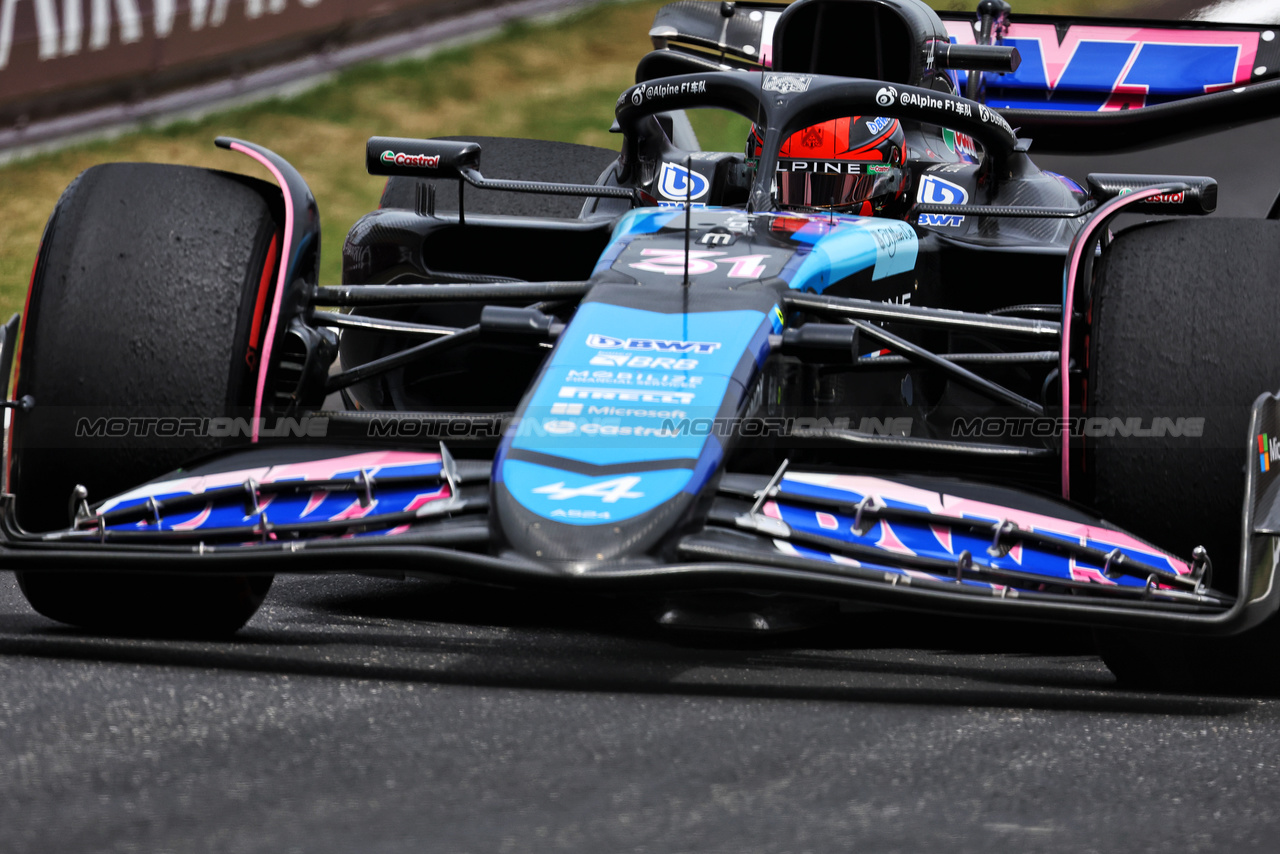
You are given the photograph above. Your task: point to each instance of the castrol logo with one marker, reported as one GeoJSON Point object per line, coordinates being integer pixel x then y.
{"type": "Point", "coordinates": [423, 161]}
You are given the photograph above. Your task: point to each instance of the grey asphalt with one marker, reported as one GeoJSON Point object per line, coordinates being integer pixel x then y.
{"type": "Point", "coordinates": [357, 714]}
{"type": "Point", "coordinates": [369, 715]}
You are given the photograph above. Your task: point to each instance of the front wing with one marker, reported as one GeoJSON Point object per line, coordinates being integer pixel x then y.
{"type": "Point", "coordinates": [898, 542]}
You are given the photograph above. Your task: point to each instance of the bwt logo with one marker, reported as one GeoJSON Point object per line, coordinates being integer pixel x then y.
{"type": "Point", "coordinates": [660, 345]}
{"type": "Point", "coordinates": [941, 220]}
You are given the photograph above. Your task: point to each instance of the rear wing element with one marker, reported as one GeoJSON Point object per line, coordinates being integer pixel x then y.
{"type": "Point", "coordinates": [1103, 85]}
{"type": "Point", "coordinates": [1084, 84]}
{"type": "Point", "coordinates": [741, 40]}
{"type": "Point", "coordinates": [1102, 65]}
{"type": "Point", "coordinates": [1083, 64]}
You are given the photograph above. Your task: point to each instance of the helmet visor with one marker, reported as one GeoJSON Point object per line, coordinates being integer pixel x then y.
{"type": "Point", "coordinates": [833, 184]}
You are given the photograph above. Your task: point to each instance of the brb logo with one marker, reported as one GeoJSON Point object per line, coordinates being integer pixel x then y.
{"type": "Point", "coordinates": [679, 183]}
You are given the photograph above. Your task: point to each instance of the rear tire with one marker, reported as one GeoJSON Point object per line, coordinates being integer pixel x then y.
{"type": "Point", "coordinates": [142, 305]}
{"type": "Point", "coordinates": [1183, 316]}
{"type": "Point", "coordinates": [515, 159]}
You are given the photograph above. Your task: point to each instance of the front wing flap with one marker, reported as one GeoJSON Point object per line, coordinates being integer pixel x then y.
{"type": "Point", "coordinates": [899, 542]}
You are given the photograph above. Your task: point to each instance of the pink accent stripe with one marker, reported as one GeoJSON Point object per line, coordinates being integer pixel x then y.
{"type": "Point", "coordinates": [943, 536]}
{"type": "Point", "coordinates": [420, 501]}
{"type": "Point", "coordinates": [285, 257]}
{"type": "Point", "coordinates": [889, 540]}
{"type": "Point", "coordinates": [1073, 268]}
{"type": "Point", "coordinates": [354, 511]}
{"type": "Point", "coordinates": [325, 469]}
{"type": "Point", "coordinates": [192, 524]}
{"type": "Point", "coordinates": [967, 508]}
{"type": "Point", "coordinates": [1057, 56]}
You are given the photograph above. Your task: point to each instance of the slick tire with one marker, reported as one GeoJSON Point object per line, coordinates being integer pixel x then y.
{"type": "Point", "coordinates": [142, 304]}
{"type": "Point", "coordinates": [1183, 321]}
{"type": "Point", "coordinates": [516, 159]}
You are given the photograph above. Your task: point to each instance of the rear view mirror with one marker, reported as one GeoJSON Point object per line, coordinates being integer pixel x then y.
{"type": "Point", "coordinates": [1200, 197]}
{"type": "Point", "coordinates": [421, 158]}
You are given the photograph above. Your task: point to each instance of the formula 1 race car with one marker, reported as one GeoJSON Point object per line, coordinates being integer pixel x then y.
{"type": "Point", "coordinates": [696, 378]}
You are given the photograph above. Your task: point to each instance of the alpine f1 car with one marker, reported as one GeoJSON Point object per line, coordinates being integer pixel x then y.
{"type": "Point", "coordinates": [876, 357]}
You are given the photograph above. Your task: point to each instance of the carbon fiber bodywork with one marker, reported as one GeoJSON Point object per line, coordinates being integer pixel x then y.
{"type": "Point", "coordinates": [687, 388]}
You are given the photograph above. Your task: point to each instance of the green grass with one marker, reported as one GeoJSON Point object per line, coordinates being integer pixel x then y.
{"type": "Point", "coordinates": [555, 81]}
{"type": "Point", "coordinates": [720, 130]}
{"type": "Point", "coordinates": [544, 81]}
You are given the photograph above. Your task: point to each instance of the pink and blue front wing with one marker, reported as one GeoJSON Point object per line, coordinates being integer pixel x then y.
{"type": "Point", "coordinates": [906, 538]}
{"type": "Point", "coordinates": [226, 509]}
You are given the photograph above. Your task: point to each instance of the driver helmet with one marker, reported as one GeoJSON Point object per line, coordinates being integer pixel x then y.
{"type": "Point", "coordinates": [853, 165]}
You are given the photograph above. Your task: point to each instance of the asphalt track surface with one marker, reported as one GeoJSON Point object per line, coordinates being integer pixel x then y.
{"type": "Point", "coordinates": [369, 715]}
{"type": "Point", "coordinates": [358, 714]}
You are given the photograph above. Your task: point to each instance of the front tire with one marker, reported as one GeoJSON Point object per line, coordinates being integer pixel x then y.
{"type": "Point", "coordinates": [142, 306]}
{"type": "Point", "coordinates": [1183, 325]}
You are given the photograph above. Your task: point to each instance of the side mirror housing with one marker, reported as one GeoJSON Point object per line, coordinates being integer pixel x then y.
{"type": "Point", "coordinates": [420, 158]}
{"type": "Point", "coordinates": [1200, 197]}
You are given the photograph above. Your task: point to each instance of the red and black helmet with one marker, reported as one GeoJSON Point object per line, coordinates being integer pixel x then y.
{"type": "Point", "coordinates": [852, 165]}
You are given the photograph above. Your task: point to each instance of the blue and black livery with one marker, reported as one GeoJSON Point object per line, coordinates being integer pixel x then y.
{"type": "Point", "coordinates": [663, 382]}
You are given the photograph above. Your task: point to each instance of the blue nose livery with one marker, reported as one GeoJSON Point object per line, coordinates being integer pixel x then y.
{"type": "Point", "coordinates": [810, 252]}
{"type": "Point", "coordinates": [620, 426]}
{"type": "Point", "coordinates": [621, 430]}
